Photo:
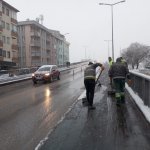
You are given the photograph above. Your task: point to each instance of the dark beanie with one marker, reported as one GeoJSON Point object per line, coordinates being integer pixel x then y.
{"type": "Point", "coordinates": [90, 63]}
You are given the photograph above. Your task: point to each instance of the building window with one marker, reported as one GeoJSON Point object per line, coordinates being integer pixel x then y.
{"type": "Point", "coordinates": [8, 26]}
{"type": "Point", "coordinates": [8, 40]}
{"type": "Point", "coordinates": [3, 24]}
{"type": "Point", "coordinates": [7, 12]}
{"type": "Point", "coordinates": [0, 37]}
{"type": "Point", "coordinates": [14, 15]}
{"type": "Point", "coordinates": [4, 39]}
{"type": "Point", "coordinates": [1, 52]}
{"type": "Point", "coordinates": [4, 53]}
{"type": "Point", "coordinates": [8, 54]}
{"type": "Point", "coordinates": [14, 28]}
{"type": "Point", "coordinates": [0, 23]}
{"type": "Point", "coordinates": [3, 10]}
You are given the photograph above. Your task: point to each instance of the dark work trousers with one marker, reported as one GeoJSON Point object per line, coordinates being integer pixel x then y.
{"type": "Point", "coordinates": [90, 87]}
{"type": "Point", "coordinates": [119, 84]}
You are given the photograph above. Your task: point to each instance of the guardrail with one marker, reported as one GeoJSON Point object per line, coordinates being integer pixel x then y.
{"type": "Point", "coordinates": [141, 86]}
{"type": "Point", "coordinates": [14, 79]}
{"type": "Point", "coordinates": [23, 71]}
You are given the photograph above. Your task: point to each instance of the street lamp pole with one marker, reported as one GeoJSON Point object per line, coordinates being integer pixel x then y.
{"type": "Point", "coordinates": [112, 23]}
{"type": "Point", "coordinates": [112, 33]}
{"type": "Point", "coordinates": [108, 45]}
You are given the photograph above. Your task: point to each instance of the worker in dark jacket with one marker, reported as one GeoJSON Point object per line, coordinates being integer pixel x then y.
{"type": "Point", "coordinates": [89, 81]}
{"type": "Point", "coordinates": [123, 61]}
{"type": "Point", "coordinates": [119, 72]}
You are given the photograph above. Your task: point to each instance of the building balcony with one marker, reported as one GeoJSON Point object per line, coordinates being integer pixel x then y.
{"type": "Point", "coordinates": [36, 44]}
{"type": "Point", "coordinates": [1, 29]}
{"type": "Point", "coordinates": [47, 41]}
{"type": "Point", "coordinates": [37, 54]}
{"type": "Point", "coordinates": [14, 47]}
{"type": "Point", "coordinates": [37, 34]}
{"type": "Point", "coordinates": [48, 48]}
{"type": "Point", "coordinates": [14, 21]}
{"type": "Point", "coordinates": [1, 43]}
{"type": "Point", "coordinates": [15, 59]}
{"type": "Point", "coordinates": [14, 34]}
{"type": "Point", "coordinates": [1, 58]}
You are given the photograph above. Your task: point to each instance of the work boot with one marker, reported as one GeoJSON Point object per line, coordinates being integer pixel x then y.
{"type": "Point", "coordinates": [118, 102]}
{"type": "Point", "coordinates": [91, 107]}
{"type": "Point", "coordinates": [123, 100]}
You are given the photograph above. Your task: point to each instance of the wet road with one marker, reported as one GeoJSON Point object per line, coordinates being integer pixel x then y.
{"type": "Point", "coordinates": [28, 112]}
{"type": "Point", "coordinates": [107, 128]}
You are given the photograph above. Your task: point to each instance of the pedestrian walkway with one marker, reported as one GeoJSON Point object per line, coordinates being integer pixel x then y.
{"type": "Point", "coordinates": [108, 127]}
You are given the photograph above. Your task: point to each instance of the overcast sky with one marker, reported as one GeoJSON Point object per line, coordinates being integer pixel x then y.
{"type": "Point", "coordinates": [89, 24]}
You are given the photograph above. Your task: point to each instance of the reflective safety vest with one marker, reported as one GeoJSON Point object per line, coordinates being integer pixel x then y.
{"type": "Point", "coordinates": [90, 73]}
{"type": "Point", "coordinates": [123, 61]}
{"type": "Point", "coordinates": [110, 63]}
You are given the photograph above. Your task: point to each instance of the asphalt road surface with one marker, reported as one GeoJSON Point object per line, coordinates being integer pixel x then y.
{"type": "Point", "coordinates": [107, 128]}
{"type": "Point", "coordinates": [28, 112]}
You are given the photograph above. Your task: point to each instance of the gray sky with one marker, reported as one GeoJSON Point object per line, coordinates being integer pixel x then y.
{"type": "Point", "coordinates": [89, 23]}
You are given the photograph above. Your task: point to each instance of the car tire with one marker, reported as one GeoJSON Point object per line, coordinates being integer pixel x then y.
{"type": "Point", "coordinates": [34, 82]}
{"type": "Point", "coordinates": [44, 81]}
{"type": "Point", "coordinates": [51, 79]}
{"type": "Point", "coordinates": [58, 77]}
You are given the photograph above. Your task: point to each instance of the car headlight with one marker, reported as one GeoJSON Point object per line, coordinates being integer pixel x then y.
{"type": "Point", "coordinates": [47, 74]}
{"type": "Point", "coordinates": [33, 74]}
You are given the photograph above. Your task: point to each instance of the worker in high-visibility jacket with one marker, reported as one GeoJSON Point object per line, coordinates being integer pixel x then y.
{"type": "Point", "coordinates": [110, 61]}
{"type": "Point", "coordinates": [89, 81]}
{"type": "Point", "coordinates": [119, 72]}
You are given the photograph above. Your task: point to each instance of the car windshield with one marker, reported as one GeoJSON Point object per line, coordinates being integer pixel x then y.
{"type": "Point", "coordinates": [44, 69]}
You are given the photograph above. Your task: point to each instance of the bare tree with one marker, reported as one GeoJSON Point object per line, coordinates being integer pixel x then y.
{"type": "Point", "coordinates": [135, 54]}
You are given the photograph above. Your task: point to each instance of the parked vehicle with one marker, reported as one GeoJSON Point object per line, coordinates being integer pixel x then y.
{"type": "Point", "coordinates": [2, 72]}
{"type": "Point", "coordinates": [46, 73]}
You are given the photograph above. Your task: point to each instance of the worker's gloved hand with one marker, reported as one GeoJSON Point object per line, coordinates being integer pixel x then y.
{"type": "Point", "coordinates": [129, 82]}
{"type": "Point", "coordinates": [102, 68]}
{"type": "Point", "coordinates": [110, 80]}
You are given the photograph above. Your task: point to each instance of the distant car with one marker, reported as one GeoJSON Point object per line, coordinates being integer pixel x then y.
{"type": "Point", "coordinates": [2, 72]}
{"type": "Point", "coordinates": [46, 73]}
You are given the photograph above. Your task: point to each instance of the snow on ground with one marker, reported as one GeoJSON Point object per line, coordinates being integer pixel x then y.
{"type": "Point", "coordinates": [145, 109]}
{"type": "Point", "coordinates": [6, 79]}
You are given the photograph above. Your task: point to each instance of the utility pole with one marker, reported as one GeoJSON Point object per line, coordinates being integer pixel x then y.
{"type": "Point", "coordinates": [108, 45]}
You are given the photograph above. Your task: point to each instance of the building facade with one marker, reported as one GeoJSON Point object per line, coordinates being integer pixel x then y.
{"type": "Point", "coordinates": [39, 45]}
{"type": "Point", "coordinates": [62, 47]}
{"type": "Point", "coordinates": [8, 36]}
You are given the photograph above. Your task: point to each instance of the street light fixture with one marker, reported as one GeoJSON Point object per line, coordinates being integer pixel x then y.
{"type": "Point", "coordinates": [112, 22]}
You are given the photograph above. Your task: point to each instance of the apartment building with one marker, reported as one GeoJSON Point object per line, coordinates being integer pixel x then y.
{"type": "Point", "coordinates": [8, 36]}
{"type": "Point", "coordinates": [39, 45]}
{"type": "Point", "coordinates": [62, 47]}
